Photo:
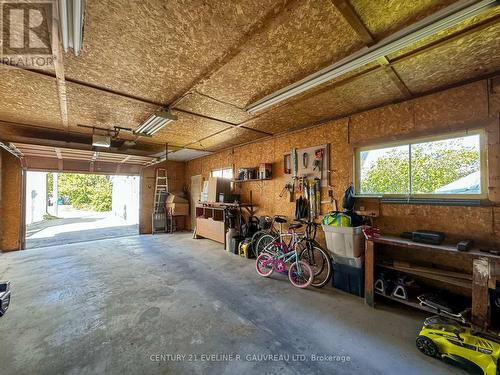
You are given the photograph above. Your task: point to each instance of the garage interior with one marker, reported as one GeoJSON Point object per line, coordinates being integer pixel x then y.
{"type": "Point", "coordinates": [231, 101]}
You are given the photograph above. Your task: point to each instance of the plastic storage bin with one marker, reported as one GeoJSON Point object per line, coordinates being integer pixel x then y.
{"type": "Point", "coordinates": [353, 262]}
{"type": "Point", "coordinates": [345, 241]}
{"type": "Point", "coordinates": [349, 279]}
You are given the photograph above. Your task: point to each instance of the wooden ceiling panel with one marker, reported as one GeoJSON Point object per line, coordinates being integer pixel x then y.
{"type": "Point", "coordinates": [198, 103]}
{"type": "Point", "coordinates": [384, 17]}
{"type": "Point", "coordinates": [157, 50]}
{"type": "Point", "coordinates": [350, 96]}
{"type": "Point", "coordinates": [29, 98]}
{"type": "Point", "coordinates": [467, 57]}
{"type": "Point", "coordinates": [154, 49]}
{"type": "Point", "coordinates": [290, 111]}
{"type": "Point", "coordinates": [187, 129]}
{"type": "Point", "coordinates": [88, 106]}
{"type": "Point", "coordinates": [298, 42]}
{"type": "Point", "coordinates": [279, 120]}
{"type": "Point", "coordinates": [229, 138]}
{"type": "Point", "coordinates": [364, 92]}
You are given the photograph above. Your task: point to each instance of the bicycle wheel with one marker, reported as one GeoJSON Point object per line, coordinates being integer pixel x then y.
{"type": "Point", "coordinates": [255, 239]}
{"type": "Point", "coordinates": [264, 265]}
{"type": "Point", "coordinates": [320, 263]}
{"type": "Point", "coordinates": [265, 244]}
{"type": "Point", "coordinates": [302, 278]}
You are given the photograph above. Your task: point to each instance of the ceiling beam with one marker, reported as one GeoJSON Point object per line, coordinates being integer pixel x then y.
{"type": "Point", "coordinates": [401, 85]}
{"type": "Point", "coordinates": [495, 74]}
{"type": "Point", "coordinates": [59, 71]}
{"type": "Point", "coordinates": [410, 54]}
{"type": "Point", "coordinates": [123, 95]}
{"type": "Point", "coordinates": [395, 78]}
{"type": "Point", "coordinates": [352, 18]}
{"type": "Point", "coordinates": [233, 124]}
{"type": "Point", "coordinates": [35, 135]}
{"type": "Point", "coordinates": [405, 57]}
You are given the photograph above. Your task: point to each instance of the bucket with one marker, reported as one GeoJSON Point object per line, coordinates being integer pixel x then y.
{"type": "Point", "coordinates": [235, 242]}
{"type": "Point", "coordinates": [229, 235]}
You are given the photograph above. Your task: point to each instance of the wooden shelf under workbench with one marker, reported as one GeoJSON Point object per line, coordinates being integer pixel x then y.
{"type": "Point", "coordinates": [457, 282]}
{"type": "Point", "coordinates": [483, 268]}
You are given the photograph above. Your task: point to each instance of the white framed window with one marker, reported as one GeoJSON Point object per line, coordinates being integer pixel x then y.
{"type": "Point", "coordinates": [445, 166]}
{"type": "Point", "coordinates": [222, 172]}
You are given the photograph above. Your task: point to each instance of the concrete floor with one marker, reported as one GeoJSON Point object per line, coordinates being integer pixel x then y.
{"type": "Point", "coordinates": [117, 306]}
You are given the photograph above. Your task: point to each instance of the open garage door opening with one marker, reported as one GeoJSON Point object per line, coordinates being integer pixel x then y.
{"type": "Point", "coordinates": [62, 208]}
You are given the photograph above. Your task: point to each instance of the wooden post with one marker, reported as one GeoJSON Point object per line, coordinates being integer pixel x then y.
{"type": "Point", "coordinates": [369, 271]}
{"type": "Point", "coordinates": [480, 276]}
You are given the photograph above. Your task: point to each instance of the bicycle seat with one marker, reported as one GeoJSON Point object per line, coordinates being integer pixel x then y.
{"type": "Point", "coordinates": [280, 220]}
{"type": "Point", "coordinates": [295, 226]}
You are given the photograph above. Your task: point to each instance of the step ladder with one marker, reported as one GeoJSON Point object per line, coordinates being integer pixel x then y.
{"type": "Point", "coordinates": [159, 215]}
{"type": "Point", "coordinates": [161, 188]}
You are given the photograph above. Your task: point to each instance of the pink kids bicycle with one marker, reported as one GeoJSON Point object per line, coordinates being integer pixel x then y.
{"type": "Point", "coordinates": [277, 255]}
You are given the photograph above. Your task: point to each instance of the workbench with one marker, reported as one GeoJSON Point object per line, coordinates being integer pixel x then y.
{"type": "Point", "coordinates": [480, 268]}
{"type": "Point", "coordinates": [211, 221]}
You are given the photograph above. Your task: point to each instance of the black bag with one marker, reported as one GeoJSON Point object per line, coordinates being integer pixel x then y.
{"type": "Point", "coordinates": [265, 222]}
{"type": "Point", "coordinates": [301, 209]}
{"type": "Point", "coordinates": [349, 199]}
{"type": "Point", "coordinates": [348, 207]}
{"type": "Point", "coordinates": [249, 229]}
{"type": "Point", "coordinates": [356, 220]}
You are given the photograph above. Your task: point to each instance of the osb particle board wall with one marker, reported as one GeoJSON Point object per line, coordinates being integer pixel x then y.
{"type": "Point", "coordinates": [176, 175]}
{"type": "Point", "coordinates": [442, 112]}
{"type": "Point", "coordinates": [1, 199]}
{"type": "Point", "coordinates": [10, 205]}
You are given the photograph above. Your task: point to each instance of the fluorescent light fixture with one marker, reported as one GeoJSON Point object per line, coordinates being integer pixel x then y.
{"type": "Point", "coordinates": [185, 154]}
{"type": "Point", "coordinates": [155, 122]}
{"type": "Point", "coordinates": [101, 140]}
{"type": "Point", "coordinates": [71, 24]}
{"type": "Point", "coordinates": [431, 25]}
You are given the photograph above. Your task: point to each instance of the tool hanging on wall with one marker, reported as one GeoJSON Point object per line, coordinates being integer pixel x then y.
{"type": "Point", "coordinates": [331, 197]}
{"type": "Point", "coordinates": [287, 164]}
{"type": "Point", "coordinates": [317, 188]}
{"type": "Point", "coordinates": [318, 161]}
{"type": "Point", "coordinates": [305, 160]}
{"type": "Point", "coordinates": [302, 203]}
{"type": "Point", "coordinates": [295, 167]}
{"type": "Point", "coordinates": [287, 189]}
{"type": "Point", "coordinates": [300, 185]}
{"type": "Point", "coordinates": [311, 199]}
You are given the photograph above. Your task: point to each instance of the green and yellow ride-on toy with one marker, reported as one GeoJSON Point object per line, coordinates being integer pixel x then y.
{"type": "Point", "coordinates": [459, 344]}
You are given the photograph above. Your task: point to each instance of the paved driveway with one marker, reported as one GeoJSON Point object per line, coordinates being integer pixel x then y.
{"type": "Point", "coordinates": [75, 225]}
